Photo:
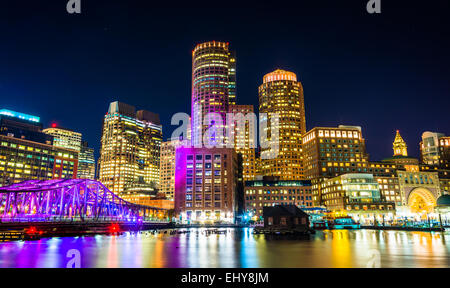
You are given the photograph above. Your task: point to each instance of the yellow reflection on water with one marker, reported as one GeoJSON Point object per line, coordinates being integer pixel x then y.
{"type": "Point", "coordinates": [341, 254]}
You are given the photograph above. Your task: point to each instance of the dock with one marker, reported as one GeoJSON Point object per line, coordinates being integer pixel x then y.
{"type": "Point", "coordinates": [277, 231]}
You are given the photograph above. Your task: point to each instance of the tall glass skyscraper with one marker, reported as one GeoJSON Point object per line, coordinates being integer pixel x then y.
{"type": "Point", "coordinates": [281, 94]}
{"type": "Point", "coordinates": [130, 148]}
{"type": "Point", "coordinates": [213, 86]}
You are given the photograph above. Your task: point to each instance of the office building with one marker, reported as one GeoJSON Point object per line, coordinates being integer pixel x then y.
{"type": "Point", "coordinates": [245, 138]}
{"type": "Point", "coordinates": [435, 150]}
{"type": "Point", "coordinates": [167, 168]}
{"type": "Point", "coordinates": [130, 148]}
{"type": "Point", "coordinates": [330, 152]}
{"type": "Point", "coordinates": [65, 138]}
{"type": "Point", "coordinates": [282, 95]}
{"type": "Point", "coordinates": [26, 153]}
{"type": "Point", "coordinates": [206, 185]}
{"type": "Point", "coordinates": [355, 193]}
{"type": "Point", "coordinates": [213, 83]}
{"type": "Point", "coordinates": [271, 191]}
{"type": "Point", "coordinates": [86, 162]}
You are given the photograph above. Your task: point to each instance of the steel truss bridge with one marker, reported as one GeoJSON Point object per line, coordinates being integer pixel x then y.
{"type": "Point", "coordinates": [71, 201]}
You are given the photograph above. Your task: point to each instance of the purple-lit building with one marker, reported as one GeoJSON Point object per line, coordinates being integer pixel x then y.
{"type": "Point", "coordinates": [213, 86]}
{"type": "Point", "coordinates": [206, 185]}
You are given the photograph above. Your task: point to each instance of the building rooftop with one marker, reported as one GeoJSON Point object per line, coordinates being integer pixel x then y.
{"type": "Point", "coordinates": [19, 115]}
{"type": "Point", "coordinates": [283, 210]}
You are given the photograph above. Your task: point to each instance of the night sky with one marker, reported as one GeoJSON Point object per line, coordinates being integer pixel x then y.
{"type": "Point", "coordinates": [382, 72]}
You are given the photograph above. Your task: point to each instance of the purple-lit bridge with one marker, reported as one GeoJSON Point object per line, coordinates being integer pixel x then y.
{"type": "Point", "coordinates": [72, 202]}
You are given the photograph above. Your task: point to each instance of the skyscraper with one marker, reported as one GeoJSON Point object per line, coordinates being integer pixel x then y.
{"type": "Point", "coordinates": [130, 148]}
{"type": "Point", "coordinates": [281, 94]}
{"type": "Point", "coordinates": [86, 162]}
{"type": "Point", "coordinates": [213, 87]}
{"type": "Point", "coordinates": [244, 141]}
{"type": "Point", "coordinates": [232, 78]}
{"type": "Point", "coordinates": [167, 167]}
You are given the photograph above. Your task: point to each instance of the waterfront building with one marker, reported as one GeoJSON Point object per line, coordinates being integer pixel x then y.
{"type": "Point", "coordinates": [206, 185]}
{"type": "Point", "coordinates": [86, 162]}
{"type": "Point", "coordinates": [213, 87]}
{"type": "Point", "coordinates": [167, 167]}
{"type": "Point", "coordinates": [418, 187]}
{"type": "Point", "coordinates": [355, 193]}
{"type": "Point", "coordinates": [245, 138]}
{"type": "Point", "coordinates": [130, 148]}
{"type": "Point", "coordinates": [390, 188]}
{"type": "Point", "coordinates": [444, 177]}
{"type": "Point", "coordinates": [26, 153]}
{"type": "Point", "coordinates": [419, 191]}
{"type": "Point", "coordinates": [435, 150]}
{"type": "Point", "coordinates": [282, 95]}
{"type": "Point", "coordinates": [271, 191]}
{"type": "Point", "coordinates": [330, 152]}
{"type": "Point", "coordinates": [65, 138]}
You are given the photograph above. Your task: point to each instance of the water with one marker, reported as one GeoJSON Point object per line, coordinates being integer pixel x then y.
{"type": "Point", "coordinates": [237, 248]}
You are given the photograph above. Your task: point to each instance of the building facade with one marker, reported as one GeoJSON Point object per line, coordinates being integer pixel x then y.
{"type": "Point", "coordinates": [130, 148]}
{"type": "Point", "coordinates": [26, 153]}
{"type": "Point", "coordinates": [23, 126]}
{"type": "Point", "coordinates": [419, 191]}
{"type": "Point", "coordinates": [167, 168]}
{"type": "Point", "coordinates": [281, 96]}
{"type": "Point", "coordinates": [245, 138]}
{"type": "Point", "coordinates": [206, 185]}
{"type": "Point", "coordinates": [330, 152]}
{"type": "Point", "coordinates": [271, 191]}
{"type": "Point", "coordinates": [435, 150]}
{"type": "Point", "coordinates": [64, 138]}
{"type": "Point", "coordinates": [355, 193]}
{"type": "Point", "coordinates": [86, 162]}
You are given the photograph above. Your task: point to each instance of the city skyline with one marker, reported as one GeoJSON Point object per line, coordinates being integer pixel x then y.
{"type": "Point", "coordinates": [67, 76]}
{"type": "Point", "coordinates": [288, 134]}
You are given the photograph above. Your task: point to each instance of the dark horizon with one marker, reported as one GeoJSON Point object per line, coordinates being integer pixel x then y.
{"type": "Point", "coordinates": [383, 72]}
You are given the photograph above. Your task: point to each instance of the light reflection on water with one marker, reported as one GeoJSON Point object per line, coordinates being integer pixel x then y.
{"type": "Point", "coordinates": [236, 248]}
